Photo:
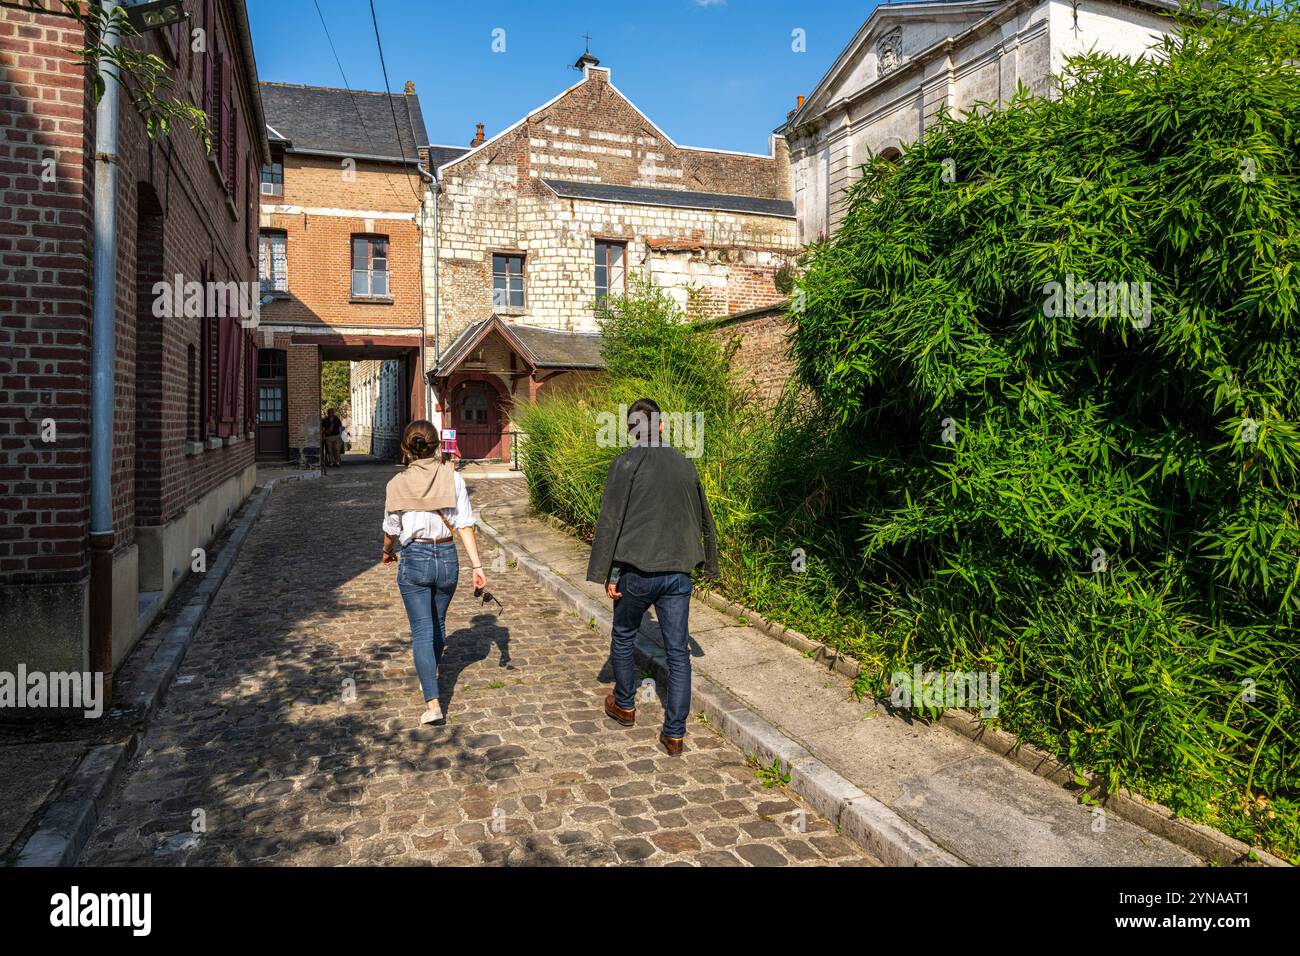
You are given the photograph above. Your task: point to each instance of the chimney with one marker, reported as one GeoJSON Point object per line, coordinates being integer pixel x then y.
{"type": "Point", "coordinates": [798, 101]}
{"type": "Point", "coordinates": [478, 137]}
{"type": "Point", "coordinates": [410, 88]}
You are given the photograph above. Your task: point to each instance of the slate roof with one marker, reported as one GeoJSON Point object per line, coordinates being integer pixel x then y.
{"type": "Point", "coordinates": [544, 348]}
{"type": "Point", "coordinates": [445, 154]}
{"type": "Point", "coordinates": [675, 198]}
{"type": "Point", "coordinates": [324, 120]}
{"type": "Point", "coordinates": [553, 348]}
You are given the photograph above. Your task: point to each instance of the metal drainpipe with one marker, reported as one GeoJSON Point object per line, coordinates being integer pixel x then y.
{"type": "Point", "coordinates": [437, 296]}
{"type": "Point", "coordinates": [424, 384]}
{"type": "Point", "coordinates": [427, 177]}
{"type": "Point", "coordinates": [102, 366]}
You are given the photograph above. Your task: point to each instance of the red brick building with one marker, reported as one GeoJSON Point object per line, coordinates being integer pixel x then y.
{"type": "Point", "coordinates": [341, 252]}
{"type": "Point", "coordinates": [181, 421]}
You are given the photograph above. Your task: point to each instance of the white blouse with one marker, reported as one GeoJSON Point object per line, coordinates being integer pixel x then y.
{"type": "Point", "coordinates": [426, 524]}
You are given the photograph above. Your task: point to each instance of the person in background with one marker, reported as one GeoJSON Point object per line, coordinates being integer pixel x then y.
{"type": "Point", "coordinates": [331, 430]}
{"type": "Point", "coordinates": [653, 515]}
{"type": "Point", "coordinates": [426, 505]}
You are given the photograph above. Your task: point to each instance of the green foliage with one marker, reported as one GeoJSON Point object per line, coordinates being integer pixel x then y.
{"type": "Point", "coordinates": [1171, 445]}
{"type": "Point", "coordinates": [335, 386]}
{"type": "Point", "coordinates": [772, 775]}
{"type": "Point", "coordinates": [145, 78]}
{"type": "Point", "coordinates": [1167, 661]}
{"type": "Point", "coordinates": [652, 351]}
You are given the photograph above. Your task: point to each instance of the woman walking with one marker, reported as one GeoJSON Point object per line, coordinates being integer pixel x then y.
{"type": "Point", "coordinates": [426, 506]}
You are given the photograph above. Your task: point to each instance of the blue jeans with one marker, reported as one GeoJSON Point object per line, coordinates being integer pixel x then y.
{"type": "Point", "coordinates": [426, 579]}
{"type": "Point", "coordinates": [670, 593]}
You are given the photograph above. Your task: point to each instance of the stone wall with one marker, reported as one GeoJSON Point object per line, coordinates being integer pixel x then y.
{"type": "Point", "coordinates": [376, 403]}
{"type": "Point", "coordinates": [493, 200]}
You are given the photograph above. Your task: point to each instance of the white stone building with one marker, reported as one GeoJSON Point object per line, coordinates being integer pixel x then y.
{"type": "Point", "coordinates": [911, 59]}
{"type": "Point", "coordinates": [535, 224]}
{"type": "Point", "coordinates": [376, 420]}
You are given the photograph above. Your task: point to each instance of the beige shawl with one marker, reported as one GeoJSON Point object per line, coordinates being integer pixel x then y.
{"type": "Point", "coordinates": [426, 484]}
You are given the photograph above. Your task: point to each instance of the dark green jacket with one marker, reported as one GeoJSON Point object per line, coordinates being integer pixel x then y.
{"type": "Point", "coordinates": [653, 515]}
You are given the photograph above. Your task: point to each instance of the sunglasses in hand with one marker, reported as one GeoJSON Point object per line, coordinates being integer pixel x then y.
{"type": "Point", "coordinates": [488, 597]}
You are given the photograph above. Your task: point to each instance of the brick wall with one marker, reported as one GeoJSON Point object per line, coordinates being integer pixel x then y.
{"type": "Point", "coordinates": [761, 359]}
{"type": "Point", "coordinates": [319, 213]}
{"type": "Point", "coordinates": [45, 275]}
{"type": "Point", "coordinates": [45, 129]}
{"type": "Point", "coordinates": [303, 400]}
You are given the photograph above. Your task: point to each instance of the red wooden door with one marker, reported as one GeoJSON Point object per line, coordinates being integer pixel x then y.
{"type": "Point", "coordinates": [476, 416]}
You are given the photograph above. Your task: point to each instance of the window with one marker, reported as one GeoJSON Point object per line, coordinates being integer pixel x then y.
{"type": "Point", "coordinates": [370, 266]}
{"type": "Point", "coordinates": [610, 270]}
{"type": "Point", "coordinates": [273, 261]}
{"type": "Point", "coordinates": [271, 363]}
{"type": "Point", "coordinates": [507, 282]}
{"type": "Point", "coordinates": [270, 404]}
{"type": "Point", "coordinates": [474, 409]}
{"type": "Point", "coordinates": [273, 179]}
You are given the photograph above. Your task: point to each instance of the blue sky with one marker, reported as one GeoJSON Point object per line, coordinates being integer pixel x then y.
{"type": "Point", "coordinates": [717, 73]}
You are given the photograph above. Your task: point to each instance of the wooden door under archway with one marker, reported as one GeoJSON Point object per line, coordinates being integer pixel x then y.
{"type": "Point", "coordinates": [272, 404]}
{"type": "Point", "coordinates": [476, 414]}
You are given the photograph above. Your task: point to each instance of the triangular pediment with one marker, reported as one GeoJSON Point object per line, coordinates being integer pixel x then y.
{"type": "Point", "coordinates": [890, 37]}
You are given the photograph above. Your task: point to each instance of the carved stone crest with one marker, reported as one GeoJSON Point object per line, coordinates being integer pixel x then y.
{"type": "Point", "coordinates": [889, 51]}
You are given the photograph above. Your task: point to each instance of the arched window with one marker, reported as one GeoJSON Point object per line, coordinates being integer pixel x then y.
{"type": "Point", "coordinates": [474, 408]}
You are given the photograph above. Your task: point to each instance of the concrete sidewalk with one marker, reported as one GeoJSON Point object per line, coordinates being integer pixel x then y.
{"type": "Point", "coordinates": [943, 789]}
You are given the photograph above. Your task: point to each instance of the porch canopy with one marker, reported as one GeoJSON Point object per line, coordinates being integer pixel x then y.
{"type": "Point", "coordinates": [492, 365]}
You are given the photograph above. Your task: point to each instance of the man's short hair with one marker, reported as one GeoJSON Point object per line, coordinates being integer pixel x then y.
{"type": "Point", "coordinates": [643, 419]}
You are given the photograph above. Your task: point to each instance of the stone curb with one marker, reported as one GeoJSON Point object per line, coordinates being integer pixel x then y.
{"type": "Point", "coordinates": [860, 817]}
{"type": "Point", "coordinates": [69, 822]}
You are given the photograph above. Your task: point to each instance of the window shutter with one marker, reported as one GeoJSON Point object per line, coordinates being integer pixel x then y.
{"type": "Point", "coordinates": [232, 159]}
{"type": "Point", "coordinates": [250, 379]}
{"type": "Point", "coordinates": [223, 374]}
{"type": "Point", "coordinates": [227, 127]}
{"type": "Point", "coordinates": [230, 344]}
{"type": "Point", "coordinates": [209, 69]}
{"type": "Point", "coordinates": [250, 202]}
{"type": "Point", "coordinates": [205, 390]}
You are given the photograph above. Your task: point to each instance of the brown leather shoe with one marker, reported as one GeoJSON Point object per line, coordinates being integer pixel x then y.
{"type": "Point", "coordinates": [672, 744]}
{"type": "Point", "coordinates": [625, 716]}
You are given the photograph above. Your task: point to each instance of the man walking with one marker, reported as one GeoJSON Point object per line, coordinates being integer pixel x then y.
{"type": "Point", "coordinates": [653, 514]}
{"type": "Point", "coordinates": [331, 430]}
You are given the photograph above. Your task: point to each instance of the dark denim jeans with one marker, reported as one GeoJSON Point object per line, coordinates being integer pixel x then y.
{"type": "Point", "coordinates": [670, 593]}
{"type": "Point", "coordinates": [426, 579]}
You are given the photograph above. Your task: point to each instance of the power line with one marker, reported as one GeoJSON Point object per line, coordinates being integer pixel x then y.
{"type": "Point", "coordinates": [361, 119]}
{"type": "Point", "coordinates": [396, 129]}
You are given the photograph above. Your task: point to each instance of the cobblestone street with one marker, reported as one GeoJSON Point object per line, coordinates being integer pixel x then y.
{"type": "Point", "coordinates": [290, 735]}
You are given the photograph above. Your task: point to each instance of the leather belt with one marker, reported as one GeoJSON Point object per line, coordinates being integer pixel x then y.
{"type": "Point", "coordinates": [429, 540]}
